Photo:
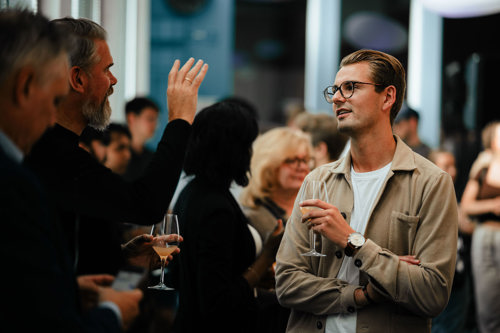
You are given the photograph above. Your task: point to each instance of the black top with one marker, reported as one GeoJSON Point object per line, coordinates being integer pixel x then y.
{"type": "Point", "coordinates": [40, 290]}
{"type": "Point", "coordinates": [217, 249]}
{"type": "Point", "coordinates": [84, 190]}
{"type": "Point", "coordinates": [138, 164]}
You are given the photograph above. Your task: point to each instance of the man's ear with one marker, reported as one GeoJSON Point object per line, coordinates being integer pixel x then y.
{"type": "Point", "coordinates": [77, 79]}
{"type": "Point", "coordinates": [23, 85]}
{"type": "Point", "coordinates": [390, 97]}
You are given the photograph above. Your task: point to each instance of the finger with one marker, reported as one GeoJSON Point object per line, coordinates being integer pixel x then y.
{"type": "Point", "coordinates": [173, 72]}
{"type": "Point", "coordinates": [316, 203]}
{"type": "Point", "coordinates": [104, 279]}
{"type": "Point", "coordinates": [184, 69]}
{"type": "Point", "coordinates": [193, 71]}
{"type": "Point", "coordinates": [201, 75]}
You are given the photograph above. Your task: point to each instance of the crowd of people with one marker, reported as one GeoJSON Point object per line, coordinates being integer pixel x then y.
{"type": "Point", "coordinates": [403, 250]}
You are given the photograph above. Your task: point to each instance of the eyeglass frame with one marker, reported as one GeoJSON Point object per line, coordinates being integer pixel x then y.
{"type": "Point", "coordinates": [296, 162]}
{"type": "Point", "coordinates": [337, 88]}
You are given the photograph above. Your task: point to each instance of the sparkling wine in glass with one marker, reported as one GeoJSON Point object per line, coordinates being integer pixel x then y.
{"type": "Point", "coordinates": [313, 189]}
{"type": "Point", "coordinates": [166, 241]}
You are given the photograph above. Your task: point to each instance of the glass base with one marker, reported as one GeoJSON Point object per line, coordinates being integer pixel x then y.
{"type": "Point", "coordinates": [160, 286]}
{"type": "Point", "coordinates": [313, 253]}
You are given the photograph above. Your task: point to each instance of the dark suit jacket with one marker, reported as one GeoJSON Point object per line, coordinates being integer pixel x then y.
{"type": "Point", "coordinates": [217, 249]}
{"type": "Point", "coordinates": [84, 190]}
{"type": "Point", "coordinates": [39, 287]}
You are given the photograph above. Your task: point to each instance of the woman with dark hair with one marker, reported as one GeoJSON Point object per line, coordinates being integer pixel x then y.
{"type": "Point", "coordinates": [217, 270]}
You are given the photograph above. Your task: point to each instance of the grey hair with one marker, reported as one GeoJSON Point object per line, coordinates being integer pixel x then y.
{"type": "Point", "coordinates": [85, 32]}
{"type": "Point", "coordinates": [27, 38]}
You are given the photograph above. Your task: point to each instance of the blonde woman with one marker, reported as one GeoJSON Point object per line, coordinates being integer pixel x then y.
{"type": "Point", "coordinates": [481, 200]}
{"type": "Point", "coordinates": [281, 160]}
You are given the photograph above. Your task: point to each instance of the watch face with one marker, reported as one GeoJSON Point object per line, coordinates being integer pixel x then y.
{"type": "Point", "coordinates": [357, 239]}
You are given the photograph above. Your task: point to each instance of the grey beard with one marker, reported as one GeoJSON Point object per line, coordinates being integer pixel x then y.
{"type": "Point", "coordinates": [97, 116]}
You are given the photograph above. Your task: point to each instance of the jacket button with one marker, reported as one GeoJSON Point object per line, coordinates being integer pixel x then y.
{"type": "Point", "coordinates": [358, 263]}
{"type": "Point", "coordinates": [338, 254]}
{"type": "Point", "coordinates": [351, 309]}
{"type": "Point", "coordinates": [319, 325]}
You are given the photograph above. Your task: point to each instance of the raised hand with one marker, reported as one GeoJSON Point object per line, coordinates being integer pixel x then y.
{"type": "Point", "coordinates": [182, 90]}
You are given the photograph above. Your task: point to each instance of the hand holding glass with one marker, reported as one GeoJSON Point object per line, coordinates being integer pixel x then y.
{"type": "Point", "coordinates": [312, 189]}
{"type": "Point", "coordinates": [166, 241]}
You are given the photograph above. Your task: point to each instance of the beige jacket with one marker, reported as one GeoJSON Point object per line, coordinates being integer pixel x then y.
{"type": "Point", "coordinates": [416, 213]}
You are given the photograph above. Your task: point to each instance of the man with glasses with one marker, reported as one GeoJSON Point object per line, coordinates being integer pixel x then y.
{"type": "Point", "coordinates": [389, 230]}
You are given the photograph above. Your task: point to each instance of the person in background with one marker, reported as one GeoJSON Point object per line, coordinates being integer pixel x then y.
{"type": "Point", "coordinates": [456, 314]}
{"type": "Point", "coordinates": [406, 127]}
{"type": "Point", "coordinates": [218, 269]}
{"type": "Point", "coordinates": [481, 201]}
{"type": "Point", "coordinates": [41, 291]}
{"type": "Point", "coordinates": [117, 138]}
{"type": "Point", "coordinates": [141, 114]}
{"type": "Point", "coordinates": [327, 141]}
{"type": "Point", "coordinates": [389, 228]}
{"type": "Point", "coordinates": [280, 161]}
{"type": "Point", "coordinates": [92, 141]}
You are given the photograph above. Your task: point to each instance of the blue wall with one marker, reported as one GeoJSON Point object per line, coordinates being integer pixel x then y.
{"type": "Point", "coordinates": [207, 34]}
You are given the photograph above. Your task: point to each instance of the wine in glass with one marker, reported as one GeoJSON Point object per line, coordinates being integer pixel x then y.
{"type": "Point", "coordinates": [166, 241]}
{"type": "Point", "coordinates": [313, 189]}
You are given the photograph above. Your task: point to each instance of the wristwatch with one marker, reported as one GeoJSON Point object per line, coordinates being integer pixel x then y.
{"type": "Point", "coordinates": [354, 242]}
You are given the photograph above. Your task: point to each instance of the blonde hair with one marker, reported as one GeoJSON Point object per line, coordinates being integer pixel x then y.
{"type": "Point", "coordinates": [270, 150]}
{"type": "Point", "coordinates": [488, 134]}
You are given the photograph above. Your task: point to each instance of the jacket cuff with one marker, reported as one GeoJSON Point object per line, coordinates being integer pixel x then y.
{"type": "Point", "coordinates": [347, 299]}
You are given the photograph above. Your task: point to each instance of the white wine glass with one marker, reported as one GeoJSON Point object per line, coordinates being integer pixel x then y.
{"type": "Point", "coordinates": [166, 241]}
{"type": "Point", "coordinates": [313, 189]}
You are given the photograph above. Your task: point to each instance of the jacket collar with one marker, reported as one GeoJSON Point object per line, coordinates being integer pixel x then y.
{"type": "Point", "coordinates": [403, 160]}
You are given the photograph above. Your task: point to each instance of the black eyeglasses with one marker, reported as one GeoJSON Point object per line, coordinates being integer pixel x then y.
{"type": "Point", "coordinates": [346, 89]}
{"type": "Point", "coordinates": [296, 161]}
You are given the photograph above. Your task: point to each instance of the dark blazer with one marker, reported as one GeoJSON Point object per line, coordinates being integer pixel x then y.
{"type": "Point", "coordinates": [39, 286]}
{"type": "Point", "coordinates": [84, 190]}
{"type": "Point", "coordinates": [217, 249]}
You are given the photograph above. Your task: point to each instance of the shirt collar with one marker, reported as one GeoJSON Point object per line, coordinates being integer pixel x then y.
{"type": "Point", "coordinates": [10, 149]}
{"type": "Point", "coordinates": [403, 159]}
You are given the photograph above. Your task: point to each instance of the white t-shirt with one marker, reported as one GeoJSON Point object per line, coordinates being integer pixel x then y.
{"type": "Point", "coordinates": [366, 186]}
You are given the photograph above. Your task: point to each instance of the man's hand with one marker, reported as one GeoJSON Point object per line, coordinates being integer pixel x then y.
{"type": "Point", "coordinates": [139, 251]}
{"type": "Point", "coordinates": [127, 302]}
{"type": "Point", "coordinates": [89, 288]}
{"type": "Point", "coordinates": [182, 90]}
{"type": "Point", "coordinates": [327, 221]}
{"type": "Point", "coordinates": [411, 259]}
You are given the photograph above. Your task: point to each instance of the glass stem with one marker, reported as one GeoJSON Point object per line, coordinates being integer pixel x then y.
{"type": "Point", "coordinates": [312, 239]}
{"type": "Point", "coordinates": [162, 270]}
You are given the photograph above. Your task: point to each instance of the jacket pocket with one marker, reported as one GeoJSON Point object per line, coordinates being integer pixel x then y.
{"type": "Point", "coordinates": [402, 231]}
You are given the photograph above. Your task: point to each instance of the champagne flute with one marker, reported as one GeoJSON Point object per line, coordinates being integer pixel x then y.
{"type": "Point", "coordinates": [313, 189]}
{"type": "Point", "coordinates": [166, 241]}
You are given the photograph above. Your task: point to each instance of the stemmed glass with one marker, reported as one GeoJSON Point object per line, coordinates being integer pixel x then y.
{"type": "Point", "coordinates": [166, 240]}
{"type": "Point", "coordinates": [313, 189]}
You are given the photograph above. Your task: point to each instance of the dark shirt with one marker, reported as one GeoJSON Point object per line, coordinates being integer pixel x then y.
{"type": "Point", "coordinates": [40, 289]}
{"type": "Point", "coordinates": [486, 191]}
{"type": "Point", "coordinates": [84, 190]}
{"type": "Point", "coordinates": [217, 249]}
{"type": "Point", "coordinates": [138, 164]}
